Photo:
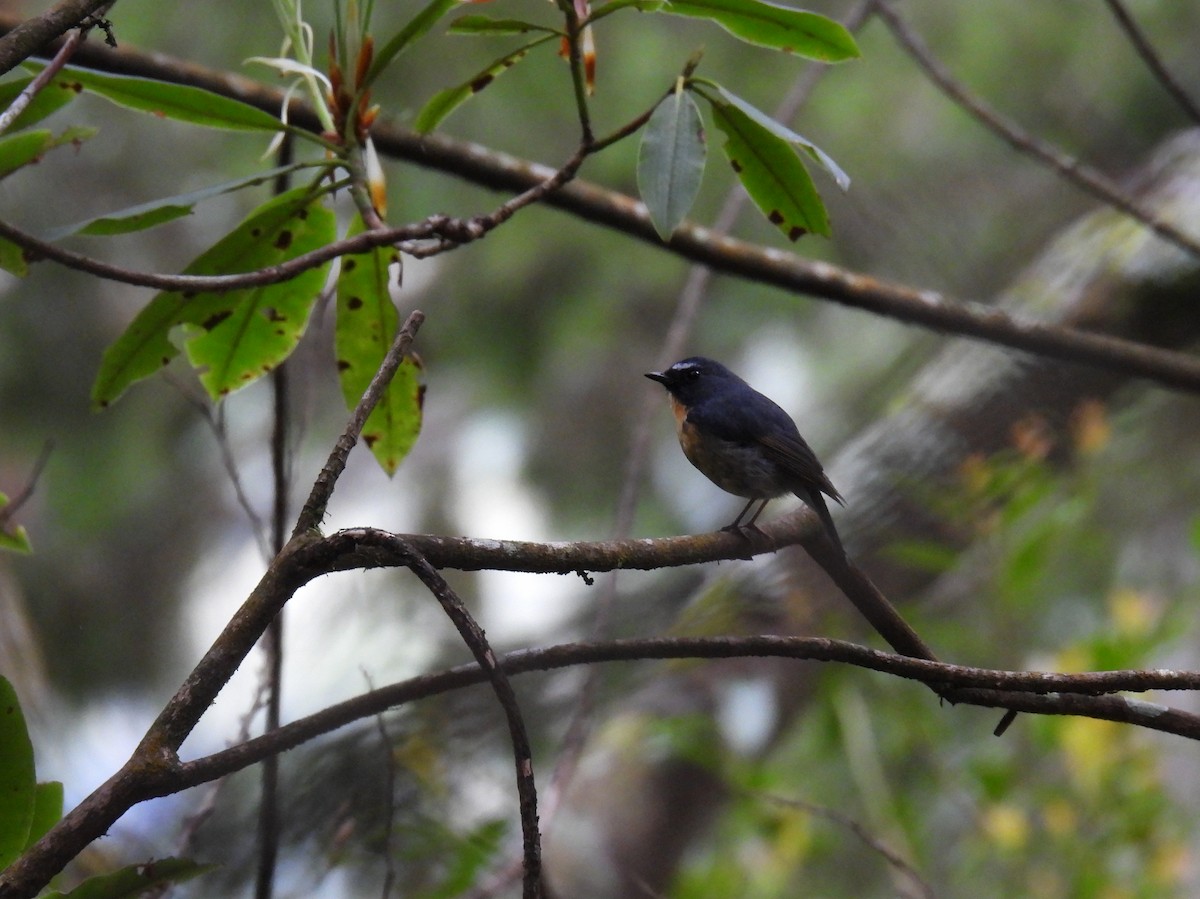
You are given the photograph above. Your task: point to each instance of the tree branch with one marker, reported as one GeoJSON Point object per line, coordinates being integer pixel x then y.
{"type": "Point", "coordinates": [1053, 693]}
{"type": "Point", "coordinates": [1152, 60]}
{"type": "Point", "coordinates": [31, 36]}
{"type": "Point", "coordinates": [284, 271]}
{"type": "Point", "coordinates": [501, 171]}
{"type": "Point", "coordinates": [155, 769]}
{"type": "Point", "coordinates": [1082, 176]}
{"type": "Point", "coordinates": [44, 77]}
{"type": "Point", "coordinates": [473, 636]}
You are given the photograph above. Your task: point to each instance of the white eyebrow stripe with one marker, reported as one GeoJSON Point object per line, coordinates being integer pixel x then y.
{"type": "Point", "coordinates": [684, 366]}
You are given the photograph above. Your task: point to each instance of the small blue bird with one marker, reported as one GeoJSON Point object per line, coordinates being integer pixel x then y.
{"type": "Point", "coordinates": [743, 441]}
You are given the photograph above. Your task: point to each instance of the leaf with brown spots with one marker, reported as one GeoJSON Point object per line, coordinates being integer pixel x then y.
{"type": "Point", "coordinates": [230, 338]}
{"type": "Point", "coordinates": [417, 26]}
{"type": "Point", "coordinates": [50, 98]}
{"type": "Point", "coordinates": [165, 209]}
{"type": "Point", "coordinates": [27, 147]}
{"type": "Point", "coordinates": [477, 24]}
{"type": "Point", "coordinates": [771, 171]}
{"type": "Point", "coordinates": [366, 325]}
{"type": "Point", "coordinates": [445, 102]}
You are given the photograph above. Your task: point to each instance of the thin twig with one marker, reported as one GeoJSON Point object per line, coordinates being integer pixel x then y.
{"type": "Point", "coordinates": [389, 787]}
{"type": "Point", "coordinates": [458, 232]}
{"type": "Point", "coordinates": [314, 507]}
{"type": "Point", "coordinates": [269, 830]}
{"type": "Point", "coordinates": [215, 421]}
{"type": "Point", "coordinates": [208, 805]}
{"type": "Point", "coordinates": [154, 769]}
{"type": "Point", "coordinates": [1083, 695]}
{"type": "Point", "coordinates": [33, 34]}
{"type": "Point", "coordinates": [1152, 60]}
{"type": "Point", "coordinates": [21, 497]}
{"type": "Point", "coordinates": [872, 842]}
{"type": "Point", "coordinates": [500, 171]}
{"type": "Point", "coordinates": [1174, 370]}
{"type": "Point", "coordinates": [476, 641]}
{"type": "Point", "coordinates": [284, 271]}
{"type": "Point", "coordinates": [44, 77]}
{"type": "Point", "coordinates": [1071, 169]}
{"type": "Point", "coordinates": [578, 75]}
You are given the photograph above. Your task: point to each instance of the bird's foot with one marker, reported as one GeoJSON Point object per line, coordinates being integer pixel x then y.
{"type": "Point", "coordinates": [746, 531]}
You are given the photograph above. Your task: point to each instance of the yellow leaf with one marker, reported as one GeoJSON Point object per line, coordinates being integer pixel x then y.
{"type": "Point", "coordinates": [1060, 818]}
{"type": "Point", "coordinates": [1133, 614]}
{"type": "Point", "coordinates": [1006, 826]}
{"type": "Point", "coordinates": [1089, 747]}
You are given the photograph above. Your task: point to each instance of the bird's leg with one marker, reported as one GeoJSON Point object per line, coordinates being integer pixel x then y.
{"type": "Point", "coordinates": [753, 518]}
{"type": "Point", "coordinates": [737, 527]}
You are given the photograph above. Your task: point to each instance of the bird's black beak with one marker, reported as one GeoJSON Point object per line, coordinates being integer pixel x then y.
{"type": "Point", "coordinates": [657, 376]}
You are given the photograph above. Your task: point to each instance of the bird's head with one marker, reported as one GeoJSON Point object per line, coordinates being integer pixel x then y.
{"type": "Point", "coordinates": [694, 378]}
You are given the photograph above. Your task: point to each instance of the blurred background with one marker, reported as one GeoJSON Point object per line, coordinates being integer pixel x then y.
{"type": "Point", "coordinates": [536, 340]}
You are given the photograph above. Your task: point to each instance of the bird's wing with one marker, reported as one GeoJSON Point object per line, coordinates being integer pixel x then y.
{"type": "Point", "coordinates": [791, 453]}
{"type": "Point", "coordinates": [753, 419]}
{"type": "Point", "coordinates": [739, 417]}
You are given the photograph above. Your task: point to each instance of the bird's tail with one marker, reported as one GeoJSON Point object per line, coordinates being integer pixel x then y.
{"type": "Point", "coordinates": [814, 500]}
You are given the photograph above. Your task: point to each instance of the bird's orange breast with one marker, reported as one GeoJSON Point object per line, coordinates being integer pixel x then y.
{"type": "Point", "coordinates": [680, 412]}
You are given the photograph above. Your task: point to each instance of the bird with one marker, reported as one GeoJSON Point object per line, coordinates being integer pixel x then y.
{"type": "Point", "coordinates": [743, 441]}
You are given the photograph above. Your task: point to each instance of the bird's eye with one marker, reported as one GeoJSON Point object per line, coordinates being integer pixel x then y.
{"type": "Point", "coordinates": [693, 374]}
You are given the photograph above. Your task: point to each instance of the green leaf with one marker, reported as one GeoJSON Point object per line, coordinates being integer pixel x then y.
{"type": "Point", "coordinates": [923, 555]}
{"type": "Point", "coordinates": [445, 102]}
{"type": "Point", "coordinates": [418, 26]}
{"type": "Point", "coordinates": [173, 101]}
{"type": "Point", "coordinates": [132, 881]}
{"type": "Point", "coordinates": [47, 810]}
{"type": "Point", "coordinates": [467, 859]}
{"type": "Point", "coordinates": [15, 539]}
{"type": "Point", "coordinates": [772, 174]}
{"type": "Point", "coordinates": [476, 24]}
{"type": "Point", "coordinates": [12, 258]}
{"type": "Point", "coordinates": [784, 133]}
{"type": "Point", "coordinates": [17, 783]}
{"type": "Point", "coordinates": [366, 326]}
{"type": "Point", "coordinates": [796, 31]}
{"type": "Point", "coordinates": [156, 212]}
{"type": "Point", "coordinates": [17, 150]}
{"type": "Point", "coordinates": [50, 98]}
{"type": "Point", "coordinates": [127, 223]}
{"type": "Point", "coordinates": [613, 6]}
{"type": "Point", "coordinates": [671, 161]}
{"type": "Point", "coordinates": [239, 335]}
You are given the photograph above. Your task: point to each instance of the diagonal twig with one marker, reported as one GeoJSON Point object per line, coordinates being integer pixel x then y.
{"type": "Point", "coordinates": [500, 171]}
{"type": "Point", "coordinates": [1078, 173]}
{"type": "Point", "coordinates": [1153, 61]}
{"type": "Point", "coordinates": [314, 507]}
{"type": "Point", "coordinates": [19, 499]}
{"type": "Point", "coordinates": [874, 843]}
{"type": "Point", "coordinates": [44, 77]}
{"type": "Point", "coordinates": [476, 641]}
{"type": "Point", "coordinates": [1083, 694]}
{"type": "Point", "coordinates": [33, 34]}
